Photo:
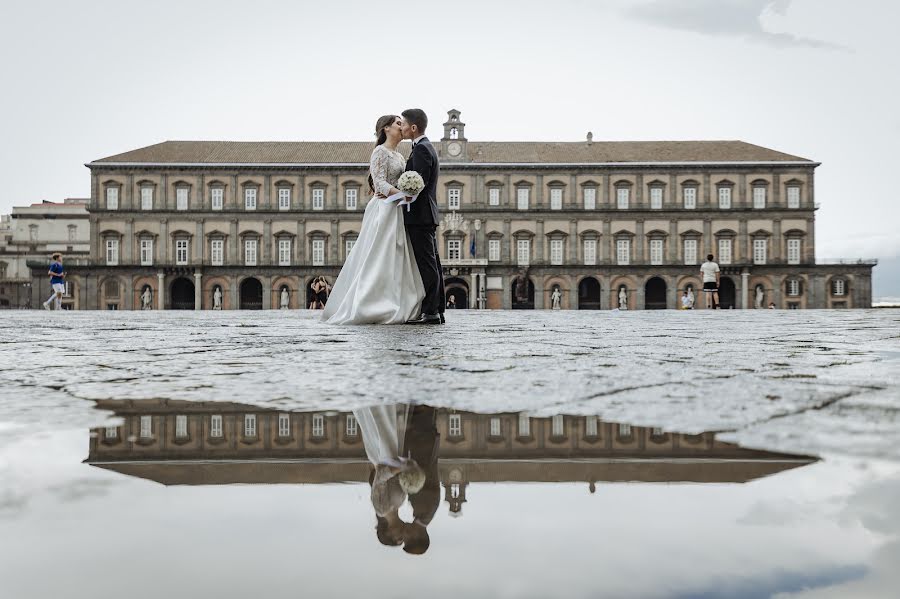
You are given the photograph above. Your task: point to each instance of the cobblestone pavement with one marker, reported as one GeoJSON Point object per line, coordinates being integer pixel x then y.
{"type": "Point", "coordinates": [793, 380]}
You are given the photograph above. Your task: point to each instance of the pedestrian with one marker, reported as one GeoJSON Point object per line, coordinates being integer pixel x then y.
{"type": "Point", "coordinates": [686, 301]}
{"type": "Point", "coordinates": [709, 271]}
{"type": "Point", "coordinates": [771, 305]}
{"type": "Point", "coordinates": [57, 282]}
{"type": "Point", "coordinates": [451, 302]}
{"type": "Point", "coordinates": [322, 293]}
{"type": "Point", "coordinates": [314, 299]}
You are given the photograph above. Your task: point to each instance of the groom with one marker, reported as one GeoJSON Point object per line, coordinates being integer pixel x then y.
{"type": "Point", "coordinates": [422, 218]}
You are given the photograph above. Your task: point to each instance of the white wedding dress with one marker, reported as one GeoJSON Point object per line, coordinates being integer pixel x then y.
{"type": "Point", "coordinates": [380, 282]}
{"type": "Point", "coordinates": [383, 429]}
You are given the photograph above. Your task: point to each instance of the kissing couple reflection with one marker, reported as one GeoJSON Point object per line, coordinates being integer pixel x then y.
{"type": "Point", "coordinates": [401, 442]}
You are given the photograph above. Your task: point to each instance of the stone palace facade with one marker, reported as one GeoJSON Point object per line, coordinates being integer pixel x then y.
{"type": "Point", "coordinates": [583, 225]}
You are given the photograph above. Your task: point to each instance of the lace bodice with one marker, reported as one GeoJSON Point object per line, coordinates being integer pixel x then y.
{"type": "Point", "coordinates": [386, 166]}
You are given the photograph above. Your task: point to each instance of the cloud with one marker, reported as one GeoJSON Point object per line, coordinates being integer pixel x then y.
{"type": "Point", "coordinates": [739, 18]}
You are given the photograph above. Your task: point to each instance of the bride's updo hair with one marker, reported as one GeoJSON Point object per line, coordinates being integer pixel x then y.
{"type": "Point", "coordinates": [380, 125]}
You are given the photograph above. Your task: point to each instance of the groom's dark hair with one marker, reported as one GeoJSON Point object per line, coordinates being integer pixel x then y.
{"type": "Point", "coordinates": [417, 117]}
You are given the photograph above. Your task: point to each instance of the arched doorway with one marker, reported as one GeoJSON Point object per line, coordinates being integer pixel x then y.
{"type": "Point", "coordinates": [459, 289]}
{"type": "Point", "coordinates": [522, 294]}
{"type": "Point", "coordinates": [589, 294]}
{"type": "Point", "coordinates": [182, 294]}
{"type": "Point", "coordinates": [655, 294]}
{"type": "Point", "coordinates": [251, 294]}
{"type": "Point", "coordinates": [726, 293]}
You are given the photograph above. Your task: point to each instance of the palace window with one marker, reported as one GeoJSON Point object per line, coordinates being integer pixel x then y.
{"type": "Point", "coordinates": [590, 252]}
{"type": "Point", "coordinates": [760, 250]}
{"type": "Point", "coordinates": [217, 198]}
{"type": "Point", "coordinates": [793, 251]}
{"type": "Point", "coordinates": [524, 424]}
{"type": "Point", "coordinates": [111, 432]}
{"type": "Point", "coordinates": [689, 197]}
{"type": "Point", "coordinates": [793, 287]}
{"type": "Point", "coordinates": [656, 251]}
{"type": "Point", "coordinates": [523, 252]}
{"type": "Point", "coordinates": [623, 251]}
{"type": "Point", "coordinates": [284, 252]}
{"type": "Point", "coordinates": [454, 425]}
{"type": "Point", "coordinates": [623, 195]}
{"type": "Point", "coordinates": [215, 426]}
{"type": "Point", "coordinates": [250, 198]}
{"type": "Point", "coordinates": [250, 247]}
{"type": "Point", "coordinates": [454, 249]}
{"type": "Point", "coordinates": [318, 425]}
{"type": "Point", "coordinates": [759, 196]}
{"type": "Point", "coordinates": [494, 196]}
{"type": "Point", "coordinates": [838, 287]}
{"type": "Point", "coordinates": [112, 252]}
{"type": "Point", "coordinates": [793, 197]}
{"type": "Point", "coordinates": [318, 198]}
{"type": "Point", "coordinates": [181, 430]}
{"type": "Point", "coordinates": [590, 426]}
{"type": "Point", "coordinates": [454, 194]}
{"type": "Point", "coordinates": [656, 198]}
{"type": "Point", "coordinates": [690, 251]}
{"type": "Point", "coordinates": [249, 425]}
{"type": "Point", "coordinates": [725, 251]}
{"type": "Point", "coordinates": [493, 250]}
{"type": "Point", "coordinates": [352, 427]}
{"type": "Point", "coordinates": [181, 252]}
{"type": "Point", "coordinates": [556, 252]}
{"type": "Point", "coordinates": [146, 431]}
{"type": "Point", "coordinates": [556, 197]}
{"type": "Point", "coordinates": [217, 252]}
{"type": "Point", "coordinates": [112, 198]}
{"type": "Point", "coordinates": [624, 430]}
{"type": "Point", "coordinates": [495, 427]}
{"type": "Point", "coordinates": [351, 198]}
{"type": "Point", "coordinates": [556, 426]}
{"type": "Point", "coordinates": [181, 198]}
{"type": "Point", "coordinates": [146, 198]}
{"type": "Point", "coordinates": [522, 198]}
{"type": "Point", "coordinates": [590, 198]}
{"type": "Point", "coordinates": [284, 198]}
{"type": "Point", "coordinates": [318, 252]}
{"type": "Point", "coordinates": [284, 425]}
{"type": "Point", "coordinates": [349, 242]}
{"type": "Point", "coordinates": [724, 198]}
{"type": "Point", "coordinates": [146, 252]}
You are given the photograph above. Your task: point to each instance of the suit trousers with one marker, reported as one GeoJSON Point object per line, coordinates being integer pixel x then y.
{"type": "Point", "coordinates": [424, 246]}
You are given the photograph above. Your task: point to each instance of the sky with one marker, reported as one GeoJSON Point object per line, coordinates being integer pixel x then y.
{"type": "Point", "coordinates": [813, 78]}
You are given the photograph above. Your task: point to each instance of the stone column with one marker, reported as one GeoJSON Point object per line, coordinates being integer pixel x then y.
{"type": "Point", "coordinates": [604, 186]}
{"type": "Point", "coordinates": [776, 190]}
{"type": "Point", "coordinates": [129, 242]}
{"type": "Point", "coordinates": [267, 242]}
{"type": "Point", "coordinates": [301, 244]}
{"type": "Point", "coordinates": [604, 292]}
{"type": "Point", "coordinates": [538, 293]}
{"type": "Point", "coordinates": [777, 286]}
{"type": "Point", "coordinates": [199, 242]}
{"type": "Point", "coordinates": [477, 200]}
{"type": "Point", "coordinates": [233, 195]}
{"type": "Point", "coordinates": [233, 242]}
{"type": "Point", "coordinates": [707, 240]}
{"type": "Point", "coordinates": [607, 241]}
{"type": "Point", "coordinates": [160, 291]}
{"type": "Point", "coordinates": [742, 191]}
{"type": "Point", "coordinates": [267, 292]}
{"type": "Point", "coordinates": [129, 293]}
{"type": "Point", "coordinates": [742, 290]}
{"type": "Point", "coordinates": [673, 242]}
{"type": "Point", "coordinates": [639, 241]}
{"type": "Point", "coordinates": [817, 292]}
{"type": "Point", "coordinates": [507, 188]}
{"type": "Point", "coordinates": [539, 193]}
{"type": "Point", "coordinates": [198, 291]}
{"type": "Point", "coordinates": [809, 247]}
{"type": "Point", "coordinates": [164, 192]}
{"type": "Point", "coordinates": [640, 303]}
{"type": "Point", "coordinates": [572, 199]}
{"type": "Point", "coordinates": [572, 249]}
{"type": "Point", "coordinates": [639, 191]}
{"type": "Point", "coordinates": [778, 250]}
{"type": "Point", "coordinates": [163, 251]}
{"type": "Point", "coordinates": [334, 193]}
{"type": "Point", "coordinates": [706, 191]}
{"type": "Point", "coordinates": [301, 195]}
{"type": "Point", "coordinates": [507, 292]}
{"type": "Point", "coordinates": [539, 241]}
{"type": "Point", "coordinates": [671, 194]}
{"type": "Point", "coordinates": [507, 244]}
{"type": "Point", "coordinates": [267, 193]}
{"type": "Point", "coordinates": [235, 300]}
{"type": "Point", "coordinates": [671, 293]}
{"type": "Point", "coordinates": [129, 194]}
{"type": "Point", "coordinates": [334, 257]}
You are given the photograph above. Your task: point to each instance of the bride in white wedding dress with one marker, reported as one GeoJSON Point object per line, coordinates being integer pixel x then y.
{"type": "Point", "coordinates": [380, 282]}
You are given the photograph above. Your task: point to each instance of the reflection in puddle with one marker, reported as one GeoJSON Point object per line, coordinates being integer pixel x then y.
{"type": "Point", "coordinates": [420, 455]}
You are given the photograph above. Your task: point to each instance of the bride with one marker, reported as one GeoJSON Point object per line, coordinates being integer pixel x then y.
{"type": "Point", "coordinates": [380, 282]}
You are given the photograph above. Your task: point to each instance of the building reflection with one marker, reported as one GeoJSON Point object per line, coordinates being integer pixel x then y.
{"type": "Point", "coordinates": [211, 443]}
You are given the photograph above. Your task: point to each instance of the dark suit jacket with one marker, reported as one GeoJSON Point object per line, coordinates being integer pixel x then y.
{"type": "Point", "coordinates": [424, 160]}
{"type": "Point", "coordinates": [422, 441]}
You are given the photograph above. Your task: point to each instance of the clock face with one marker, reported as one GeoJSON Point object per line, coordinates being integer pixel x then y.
{"type": "Point", "coordinates": [454, 149]}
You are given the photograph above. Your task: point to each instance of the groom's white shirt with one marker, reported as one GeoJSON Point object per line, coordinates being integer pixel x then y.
{"type": "Point", "coordinates": [418, 139]}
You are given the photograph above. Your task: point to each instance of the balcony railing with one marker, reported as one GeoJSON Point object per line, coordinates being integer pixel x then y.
{"type": "Point", "coordinates": [848, 261]}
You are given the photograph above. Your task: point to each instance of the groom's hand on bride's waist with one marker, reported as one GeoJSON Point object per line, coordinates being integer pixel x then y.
{"type": "Point", "coordinates": [380, 196]}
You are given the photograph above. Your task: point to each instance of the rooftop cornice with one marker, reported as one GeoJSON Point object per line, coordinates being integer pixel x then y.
{"type": "Point", "coordinates": [449, 165]}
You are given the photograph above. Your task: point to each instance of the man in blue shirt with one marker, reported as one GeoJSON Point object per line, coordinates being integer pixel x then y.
{"type": "Point", "coordinates": [57, 282]}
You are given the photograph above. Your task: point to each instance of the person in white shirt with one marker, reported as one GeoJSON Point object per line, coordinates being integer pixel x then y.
{"type": "Point", "coordinates": [685, 301]}
{"type": "Point", "coordinates": [709, 270]}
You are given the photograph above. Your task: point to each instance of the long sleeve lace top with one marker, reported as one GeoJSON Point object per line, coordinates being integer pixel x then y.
{"type": "Point", "coordinates": [385, 166]}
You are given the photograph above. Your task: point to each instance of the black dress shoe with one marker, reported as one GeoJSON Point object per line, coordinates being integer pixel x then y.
{"type": "Point", "coordinates": [442, 318]}
{"type": "Point", "coordinates": [426, 319]}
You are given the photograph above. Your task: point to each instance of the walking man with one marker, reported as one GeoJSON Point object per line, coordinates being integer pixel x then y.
{"type": "Point", "coordinates": [57, 282]}
{"type": "Point", "coordinates": [709, 270]}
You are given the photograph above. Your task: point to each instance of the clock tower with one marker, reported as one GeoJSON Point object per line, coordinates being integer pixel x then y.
{"type": "Point", "coordinates": [453, 144]}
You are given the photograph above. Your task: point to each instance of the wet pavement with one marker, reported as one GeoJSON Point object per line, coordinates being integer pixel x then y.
{"type": "Point", "coordinates": [205, 454]}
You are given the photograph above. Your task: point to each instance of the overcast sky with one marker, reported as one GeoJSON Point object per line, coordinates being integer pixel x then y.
{"type": "Point", "coordinates": [815, 78]}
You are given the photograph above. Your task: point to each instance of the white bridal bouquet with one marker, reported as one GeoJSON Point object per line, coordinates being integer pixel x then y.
{"type": "Point", "coordinates": [410, 185]}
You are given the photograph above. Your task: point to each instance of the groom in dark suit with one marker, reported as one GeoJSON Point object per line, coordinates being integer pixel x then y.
{"type": "Point", "coordinates": [422, 441]}
{"type": "Point", "coordinates": [423, 217]}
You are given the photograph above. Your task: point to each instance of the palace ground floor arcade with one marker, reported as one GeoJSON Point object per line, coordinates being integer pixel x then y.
{"type": "Point", "coordinates": [472, 286]}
